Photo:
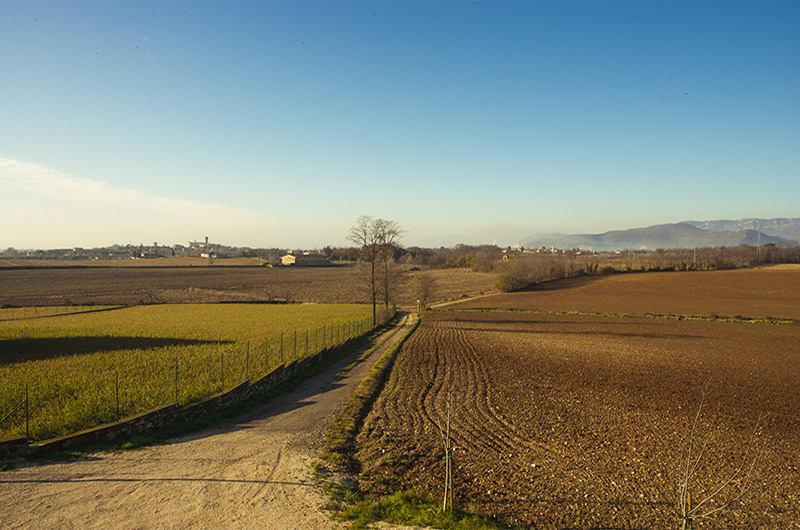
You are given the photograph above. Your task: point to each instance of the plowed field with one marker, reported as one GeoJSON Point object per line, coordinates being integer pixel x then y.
{"type": "Point", "coordinates": [752, 293]}
{"type": "Point", "coordinates": [204, 284]}
{"type": "Point", "coordinates": [578, 421]}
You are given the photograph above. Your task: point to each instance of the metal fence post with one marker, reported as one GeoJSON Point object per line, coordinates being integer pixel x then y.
{"type": "Point", "coordinates": [222, 370]}
{"type": "Point", "coordinates": [116, 389]}
{"type": "Point", "coordinates": [27, 416]}
{"type": "Point", "coordinates": [176, 379]}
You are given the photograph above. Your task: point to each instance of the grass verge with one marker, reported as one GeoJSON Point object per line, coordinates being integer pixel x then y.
{"type": "Point", "coordinates": [341, 431]}
{"type": "Point", "coordinates": [713, 317]}
{"type": "Point", "coordinates": [409, 508]}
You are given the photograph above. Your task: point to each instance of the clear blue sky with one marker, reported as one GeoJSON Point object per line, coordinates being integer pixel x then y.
{"type": "Point", "coordinates": [278, 124]}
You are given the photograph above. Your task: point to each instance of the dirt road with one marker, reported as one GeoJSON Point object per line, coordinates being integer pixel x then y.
{"type": "Point", "coordinates": [252, 472]}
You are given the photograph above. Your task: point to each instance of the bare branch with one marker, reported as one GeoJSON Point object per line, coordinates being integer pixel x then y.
{"type": "Point", "coordinates": [691, 464]}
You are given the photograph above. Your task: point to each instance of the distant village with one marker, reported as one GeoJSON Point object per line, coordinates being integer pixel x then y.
{"type": "Point", "coordinates": [518, 249]}
{"type": "Point", "coordinates": [202, 249]}
{"type": "Point", "coordinates": [206, 249]}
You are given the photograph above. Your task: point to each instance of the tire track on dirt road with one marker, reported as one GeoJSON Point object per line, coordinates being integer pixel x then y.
{"type": "Point", "coordinates": [249, 472]}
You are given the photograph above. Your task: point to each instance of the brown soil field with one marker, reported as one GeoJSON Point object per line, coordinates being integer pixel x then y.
{"type": "Point", "coordinates": [753, 293]}
{"type": "Point", "coordinates": [136, 285]}
{"type": "Point", "coordinates": [181, 261]}
{"type": "Point", "coordinates": [578, 421]}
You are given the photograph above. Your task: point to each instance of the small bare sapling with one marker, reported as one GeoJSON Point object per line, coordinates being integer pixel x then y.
{"type": "Point", "coordinates": [444, 431]}
{"type": "Point", "coordinates": [730, 491]}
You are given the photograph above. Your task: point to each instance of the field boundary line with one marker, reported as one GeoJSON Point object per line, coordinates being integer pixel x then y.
{"type": "Point", "coordinates": [654, 316]}
{"type": "Point", "coordinates": [466, 299]}
{"type": "Point", "coordinates": [100, 309]}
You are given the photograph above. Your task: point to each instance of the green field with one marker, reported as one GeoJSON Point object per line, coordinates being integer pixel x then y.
{"type": "Point", "coordinates": [92, 367]}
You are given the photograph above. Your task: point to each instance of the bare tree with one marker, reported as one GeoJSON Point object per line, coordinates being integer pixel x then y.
{"type": "Point", "coordinates": [364, 236]}
{"type": "Point", "coordinates": [376, 239]}
{"type": "Point", "coordinates": [388, 235]}
{"type": "Point", "coordinates": [424, 288]}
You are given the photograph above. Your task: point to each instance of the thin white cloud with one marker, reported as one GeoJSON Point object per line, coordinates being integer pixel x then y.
{"type": "Point", "coordinates": [43, 207]}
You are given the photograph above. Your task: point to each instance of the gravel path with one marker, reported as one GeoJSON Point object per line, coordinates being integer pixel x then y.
{"type": "Point", "coordinates": [251, 472]}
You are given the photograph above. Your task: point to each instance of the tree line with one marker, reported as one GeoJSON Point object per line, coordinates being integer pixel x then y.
{"type": "Point", "coordinates": [526, 270]}
{"type": "Point", "coordinates": [379, 253]}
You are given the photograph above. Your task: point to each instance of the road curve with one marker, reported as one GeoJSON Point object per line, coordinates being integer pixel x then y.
{"type": "Point", "coordinates": [250, 472]}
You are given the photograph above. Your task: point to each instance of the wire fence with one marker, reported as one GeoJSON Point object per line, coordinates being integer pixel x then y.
{"type": "Point", "coordinates": [55, 407]}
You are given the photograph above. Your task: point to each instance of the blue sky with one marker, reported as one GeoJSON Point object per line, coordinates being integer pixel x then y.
{"type": "Point", "coordinates": [279, 123]}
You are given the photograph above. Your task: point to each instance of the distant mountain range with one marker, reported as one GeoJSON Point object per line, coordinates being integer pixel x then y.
{"type": "Point", "coordinates": [688, 234]}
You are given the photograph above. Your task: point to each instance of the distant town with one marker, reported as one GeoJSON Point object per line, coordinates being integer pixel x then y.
{"type": "Point", "coordinates": [196, 249]}
{"type": "Point", "coordinates": [207, 249]}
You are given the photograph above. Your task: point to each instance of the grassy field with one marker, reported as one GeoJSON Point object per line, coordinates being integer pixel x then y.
{"type": "Point", "coordinates": [91, 367]}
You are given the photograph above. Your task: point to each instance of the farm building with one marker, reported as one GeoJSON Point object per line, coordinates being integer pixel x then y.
{"type": "Point", "coordinates": [304, 260]}
{"type": "Point", "coordinates": [212, 254]}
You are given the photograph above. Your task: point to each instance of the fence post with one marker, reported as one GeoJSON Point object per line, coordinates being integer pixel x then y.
{"type": "Point", "coordinates": [294, 346]}
{"type": "Point", "coordinates": [27, 416]}
{"type": "Point", "coordinates": [116, 389]}
{"type": "Point", "coordinates": [176, 379]}
{"type": "Point", "coordinates": [282, 361]}
{"type": "Point", "coordinates": [247, 363]}
{"type": "Point", "coordinates": [266, 355]}
{"type": "Point", "coordinates": [222, 370]}
{"type": "Point", "coordinates": [306, 354]}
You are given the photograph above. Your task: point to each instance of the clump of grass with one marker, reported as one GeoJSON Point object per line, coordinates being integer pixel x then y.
{"type": "Point", "coordinates": [409, 508]}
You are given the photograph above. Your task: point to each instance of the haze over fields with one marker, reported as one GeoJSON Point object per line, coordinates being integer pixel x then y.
{"type": "Point", "coordinates": [276, 124]}
{"type": "Point", "coordinates": [689, 234]}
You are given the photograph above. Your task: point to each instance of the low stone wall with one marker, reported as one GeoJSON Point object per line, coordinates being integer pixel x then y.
{"type": "Point", "coordinates": [13, 447]}
{"type": "Point", "coordinates": [165, 415]}
{"type": "Point", "coordinates": [153, 419]}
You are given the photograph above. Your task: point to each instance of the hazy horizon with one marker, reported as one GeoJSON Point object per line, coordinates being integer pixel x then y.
{"type": "Point", "coordinates": [277, 124]}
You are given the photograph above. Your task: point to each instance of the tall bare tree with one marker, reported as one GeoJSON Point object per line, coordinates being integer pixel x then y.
{"type": "Point", "coordinates": [388, 235]}
{"type": "Point", "coordinates": [376, 239]}
{"type": "Point", "coordinates": [424, 288]}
